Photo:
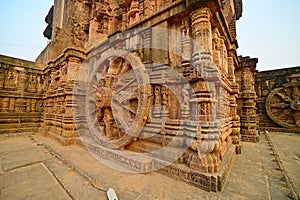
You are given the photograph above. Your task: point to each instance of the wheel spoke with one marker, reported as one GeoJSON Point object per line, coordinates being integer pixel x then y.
{"type": "Point", "coordinates": [129, 109]}
{"type": "Point", "coordinates": [128, 81]}
{"type": "Point", "coordinates": [94, 86]}
{"type": "Point", "coordinates": [289, 115]}
{"type": "Point", "coordinates": [125, 107]}
{"type": "Point", "coordinates": [280, 105]}
{"type": "Point", "coordinates": [285, 98]}
{"type": "Point", "coordinates": [297, 118]}
{"type": "Point", "coordinates": [124, 69]}
{"type": "Point", "coordinates": [295, 93]}
{"type": "Point", "coordinates": [125, 123]}
{"type": "Point", "coordinates": [95, 122]}
{"type": "Point", "coordinates": [93, 111]}
{"type": "Point", "coordinates": [125, 96]}
{"type": "Point", "coordinates": [91, 100]}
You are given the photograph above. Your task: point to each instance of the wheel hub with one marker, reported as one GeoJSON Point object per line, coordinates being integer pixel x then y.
{"type": "Point", "coordinates": [295, 105]}
{"type": "Point", "coordinates": [103, 97]}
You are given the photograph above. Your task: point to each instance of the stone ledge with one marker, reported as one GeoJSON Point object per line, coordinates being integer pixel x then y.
{"type": "Point", "coordinates": [62, 140]}
{"type": "Point", "coordinates": [276, 129]}
{"type": "Point", "coordinates": [141, 163]}
{"type": "Point", "coordinates": [250, 138]}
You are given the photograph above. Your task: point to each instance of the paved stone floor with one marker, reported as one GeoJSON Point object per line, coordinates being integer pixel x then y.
{"type": "Point", "coordinates": [35, 167]}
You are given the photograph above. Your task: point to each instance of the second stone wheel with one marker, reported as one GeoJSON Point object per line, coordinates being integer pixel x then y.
{"type": "Point", "coordinates": [283, 105]}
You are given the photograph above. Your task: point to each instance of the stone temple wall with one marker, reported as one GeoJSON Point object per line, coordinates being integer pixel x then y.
{"type": "Point", "coordinates": [127, 77]}
{"type": "Point", "coordinates": [22, 88]}
{"type": "Point", "coordinates": [191, 116]}
{"type": "Point", "coordinates": [278, 104]}
{"type": "Point", "coordinates": [58, 116]}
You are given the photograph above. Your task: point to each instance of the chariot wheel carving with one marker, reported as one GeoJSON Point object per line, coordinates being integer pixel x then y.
{"type": "Point", "coordinates": [283, 105]}
{"type": "Point", "coordinates": [119, 102]}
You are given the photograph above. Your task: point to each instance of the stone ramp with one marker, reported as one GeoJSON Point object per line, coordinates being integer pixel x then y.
{"type": "Point", "coordinates": [72, 173]}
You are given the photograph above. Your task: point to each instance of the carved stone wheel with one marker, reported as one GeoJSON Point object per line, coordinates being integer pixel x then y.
{"type": "Point", "coordinates": [119, 100]}
{"type": "Point", "coordinates": [283, 105]}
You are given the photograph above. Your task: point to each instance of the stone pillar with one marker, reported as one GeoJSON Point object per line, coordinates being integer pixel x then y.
{"type": "Point", "coordinates": [231, 76]}
{"type": "Point", "coordinates": [186, 42]}
{"type": "Point", "coordinates": [2, 78]}
{"type": "Point", "coordinates": [165, 102]}
{"type": "Point", "coordinates": [147, 45]}
{"type": "Point", "coordinates": [157, 102]}
{"type": "Point", "coordinates": [59, 119]}
{"type": "Point", "coordinates": [223, 54]}
{"type": "Point", "coordinates": [247, 98]}
{"type": "Point", "coordinates": [185, 105]}
{"type": "Point", "coordinates": [216, 47]}
{"type": "Point", "coordinates": [201, 24]}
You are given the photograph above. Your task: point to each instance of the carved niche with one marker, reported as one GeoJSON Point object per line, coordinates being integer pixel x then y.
{"type": "Point", "coordinates": [32, 83]}
{"type": "Point", "coordinates": [11, 80]}
{"type": "Point", "coordinates": [106, 17]}
{"type": "Point", "coordinates": [134, 12]}
{"type": "Point", "coordinates": [2, 78]}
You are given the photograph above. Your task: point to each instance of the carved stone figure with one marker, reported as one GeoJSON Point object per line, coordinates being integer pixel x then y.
{"type": "Point", "coordinates": [185, 105]}
{"type": "Point", "coordinates": [40, 84]}
{"type": "Point", "coordinates": [5, 104]}
{"type": "Point", "coordinates": [11, 80]}
{"type": "Point", "coordinates": [2, 78]}
{"type": "Point", "coordinates": [33, 105]}
{"type": "Point", "coordinates": [28, 105]}
{"type": "Point", "coordinates": [157, 102]}
{"type": "Point", "coordinates": [134, 12]}
{"type": "Point", "coordinates": [32, 83]}
{"type": "Point", "coordinates": [165, 101]}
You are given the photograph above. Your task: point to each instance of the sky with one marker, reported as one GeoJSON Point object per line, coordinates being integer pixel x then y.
{"type": "Point", "coordinates": [268, 30]}
{"type": "Point", "coordinates": [22, 23]}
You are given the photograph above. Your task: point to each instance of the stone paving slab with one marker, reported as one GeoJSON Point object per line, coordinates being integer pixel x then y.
{"type": "Point", "coordinates": [31, 182]}
{"type": "Point", "coordinates": [288, 148]}
{"type": "Point", "coordinates": [77, 186]}
{"type": "Point", "coordinates": [17, 152]}
{"type": "Point", "coordinates": [253, 175]}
